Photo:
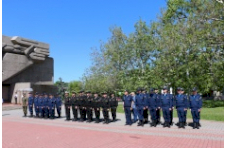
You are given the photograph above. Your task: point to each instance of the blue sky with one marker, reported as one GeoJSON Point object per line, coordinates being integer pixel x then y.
{"type": "Point", "coordinates": [73, 27]}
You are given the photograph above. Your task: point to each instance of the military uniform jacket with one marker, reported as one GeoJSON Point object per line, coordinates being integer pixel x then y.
{"type": "Point", "coordinates": [58, 102]}
{"type": "Point", "coordinates": [74, 101]}
{"type": "Point", "coordinates": [139, 101]}
{"type": "Point", "coordinates": [30, 101]}
{"type": "Point", "coordinates": [89, 101]}
{"type": "Point", "coordinates": [46, 102]}
{"type": "Point", "coordinates": [105, 102]}
{"type": "Point", "coordinates": [83, 101]}
{"type": "Point", "coordinates": [113, 102]}
{"type": "Point", "coordinates": [152, 102]}
{"type": "Point", "coordinates": [67, 101]}
{"type": "Point", "coordinates": [166, 100]}
{"type": "Point", "coordinates": [127, 100]}
{"type": "Point", "coordinates": [24, 101]}
{"type": "Point", "coordinates": [145, 97]}
{"type": "Point", "coordinates": [36, 101]}
{"type": "Point", "coordinates": [40, 102]}
{"type": "Point", "coordinates": [157, 96]}
{"type": "Point", "coordinates": [96, 102]}
{"type": "Point", "coordinates": [181, 101]}
{"type": "Point", "coordinates": [195, 101]}
{"type": "Point", "coordinates": [51, 103]}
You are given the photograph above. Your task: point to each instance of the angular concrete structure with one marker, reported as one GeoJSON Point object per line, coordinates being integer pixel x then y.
{"type": "Point", "coordinates": [25, 64]}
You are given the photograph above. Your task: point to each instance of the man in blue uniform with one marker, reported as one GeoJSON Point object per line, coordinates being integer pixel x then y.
{"type": "Point", "coordinates": [145, 111]}
{"type": "Point", "coordinates": [51, 106]}
{"type": "Point", "coordinates": [41, 106]}
{"type": "Point", "coordinates": [181, 106]}
{"type": "Point", "coordinates": [166, 104]}
{"type": "Point", "coordinates": [46, 99]}
{"type": "Point", "coordinates": [152, 105]}
{"type": "Point", "coordinates": [185, 112]}
{"type": "Point", "coordinates": [127, 106]}
{"type": "Point", "coordinates": [139, 103]}
{"type": "Point", "coordinates": [36, 105]}
{"type": "Point", "coordinates": [58, 103]}
{"type": "Point", "coordinates": [195, 103]}
{"type": "Point", "coordinates": [30, 103]}
{"type": "Point", "coordinates": [157, 95]}
{"type": "Point", "coordinates": [134, 109]}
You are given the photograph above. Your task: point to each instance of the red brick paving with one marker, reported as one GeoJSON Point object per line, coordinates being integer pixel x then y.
{"type": "Point", "coordinates": [40, 135]}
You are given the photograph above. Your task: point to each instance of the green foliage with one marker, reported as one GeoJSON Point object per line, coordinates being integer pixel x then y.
{"type": "Point", "coordinates": [62, 86]}
{"type": "Point", "coordinates": [74, 86]}
{"type": "Point", "coordinates": [212, 103]}
{"type": "Point", "coordinates": [183, 48]}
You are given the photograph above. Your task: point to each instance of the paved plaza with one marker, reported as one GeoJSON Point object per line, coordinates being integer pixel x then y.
{"type": "Point", "coordinates": [20, 132]}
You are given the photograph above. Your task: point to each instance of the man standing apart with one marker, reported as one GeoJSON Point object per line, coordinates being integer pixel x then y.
{"type": "Point", "coordinates": [195, 107]}
{"type": "Point", "coordinates": [24, 104]}
{"type": "Point", "coordinates": [127, 107]}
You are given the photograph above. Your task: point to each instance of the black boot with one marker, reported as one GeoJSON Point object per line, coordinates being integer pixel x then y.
{"type": "Point", "coordinates": [195, 125]}
{"type": "Point", "coordinates": [179, 125]}
{"type": "Point", "coordinates": [199, 124]}
{"type": "Point", "coordinates": [139, 123]}
{"type": "Point", "coordinates": [183, 124]}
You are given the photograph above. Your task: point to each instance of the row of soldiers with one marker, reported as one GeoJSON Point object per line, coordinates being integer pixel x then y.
{"type": "Point", "coordinates": [85, 103]}
{"type": "Point", "coordinates": [44, 105]}
{"type": "Point", "coordinates": [154, 102]}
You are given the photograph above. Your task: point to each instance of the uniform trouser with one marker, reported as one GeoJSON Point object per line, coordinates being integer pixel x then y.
{"type": "Point", "coordinates": [51, 112]}
{"type": "Point", "coordinates": [46, 112]}
{"type": "Point", "coordinates": [171, 116]}
{"type": "Point", "coordinates": [67, 112]}
{"type": "Point", "coordinates": [105, 113]}
{"type": "Point", "coordinates": [58, 110]}
{"type": "Point", "coordinates": [36, 110]}
{"type": "Point", "coordinates": [135, 114]}
{"type": "Point", "coordinates": [145, 114]}
{"type": "Point", "coordinates": [181, 114]}
{"type": "Point", "coordinates": [25, 110]}
{"type": "Point", "coordinates": [75, 112]}
{"type": "Point", "coordinates": [42, 111]}
{"type": "Point", "coordinates": [140, 113]}
{"type": "Point", "coordinates": [97, 113]}
{"type": "Point", "coordinates": [128, 115]}
{"type": "Point", "coordinates": [31, 109]}
{"type": "Point", "coordinates": [158, 115]}
{"type": "Point", "coordinates": [166, 114]}
{"type": "Point", "coordinates": [195, 115]}
{"type": "Point", "coordinates": [89, 113]}
{"type": "Point", "coordinates": [185, 115]}
{"type": "Point", "coordinates": [83, 112]}
{"type": "Point", "coordinates": [113, 110]}
{"type": "Point", "coordinates": [152, 111]}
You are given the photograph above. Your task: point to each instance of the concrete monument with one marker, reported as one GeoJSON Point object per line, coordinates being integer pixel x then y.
{"type": "Point", "coordinates": [25, 64]}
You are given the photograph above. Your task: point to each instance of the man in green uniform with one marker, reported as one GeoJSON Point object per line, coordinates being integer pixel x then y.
{"type": "Point", "coordinates": [24, 104]}
{"type": "Point", "coordinates": [113, 105]}
{"type": "Point", "coordinates": [74, 105]}
{"type": "Point", "coordinates": [96, 107]}
{"type": "Point", "coordinates": [105, 107]}
{"type": "Point", "coordinates": [67, 105]}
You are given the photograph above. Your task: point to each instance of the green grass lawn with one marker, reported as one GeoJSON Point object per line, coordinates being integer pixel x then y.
{"type": "Point", "coordinates": [216, 114]}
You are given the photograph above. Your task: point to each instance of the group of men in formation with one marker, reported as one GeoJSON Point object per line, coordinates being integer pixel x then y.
{"type": "Point", "coordinates": [44, 105]}
{"type": "Point", "coordinates": [84, 104]}
{"type": "Point", "coordinates": [154, 102]}
{"type": "Point", "coordinates": [87, 103]}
